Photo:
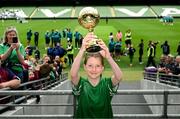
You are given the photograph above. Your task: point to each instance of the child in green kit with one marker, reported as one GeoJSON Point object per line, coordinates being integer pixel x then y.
{"type": "Point", "coordinates": [94, 93]}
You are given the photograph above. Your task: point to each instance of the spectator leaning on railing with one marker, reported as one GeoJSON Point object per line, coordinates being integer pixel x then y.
{"type": "Point", "coordinates": [46, 68]}
{"type": "Point", "coordinates": [162, 64]}
{"type": "Point", "coordinates": [8, 78]}
{"type": "Point", "coordinates": [170, 64]}
{"type": "Point", "coordinates": [176, 69]}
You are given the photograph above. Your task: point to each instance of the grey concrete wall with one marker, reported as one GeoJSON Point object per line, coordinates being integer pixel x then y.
{"type": "Point", "coordinates": [58, 99]}
{"type": "Point", "coordinates": [151, 85]}
{"type": "Point", "coordinates": [130, 85]}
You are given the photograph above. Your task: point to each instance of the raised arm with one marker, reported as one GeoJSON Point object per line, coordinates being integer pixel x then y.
{"type": "Point", "coordinates": [19, 51]}
{"type": "Point", "coordinates": [77, 61]}
{"type": "Point", "coordinates": [117, 73]}
{"type": "Point", "coordinates": [7, 53]}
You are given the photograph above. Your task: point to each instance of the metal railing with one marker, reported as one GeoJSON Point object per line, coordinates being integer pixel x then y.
{"type": "Point", "coordinates": [164, 114]}
{"type": "Point", "coordinates": [43, 84]}
{"type": "Point", "coordinates": [173, 80]}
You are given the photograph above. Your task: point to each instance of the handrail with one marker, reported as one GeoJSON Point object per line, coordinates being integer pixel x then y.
{"type": "Point", "coordinates": [36, 81]}
{"type": "Point", "coordinates": [164, 93]}
{"type": "Point", "coordinates": [69, 92]}
{"type": "Point", "coordinates": [137, 116]}
{"type": "Point", "coordinates": [43, 83]}
{"type": "Point", "coordinates": [170, 79]}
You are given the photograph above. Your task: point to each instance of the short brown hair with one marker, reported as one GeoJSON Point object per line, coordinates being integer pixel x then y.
{"type": "Point", "coordinates": [96, 55]}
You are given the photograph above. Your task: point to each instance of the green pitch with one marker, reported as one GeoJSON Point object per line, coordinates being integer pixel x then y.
{"type": "Point", "coordinates": [148, 29]}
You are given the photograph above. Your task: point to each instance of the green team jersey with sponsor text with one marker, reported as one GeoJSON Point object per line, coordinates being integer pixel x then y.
{"type": "Point", "coordinates": [94, 101]}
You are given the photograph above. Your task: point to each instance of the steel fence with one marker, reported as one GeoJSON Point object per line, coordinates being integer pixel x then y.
{"type": "Point", "coordinates": [43, 84]}
{"type": "Point", "coordinates": [164, 104]}
{"type": "Point", "coordinates": [173, 80]}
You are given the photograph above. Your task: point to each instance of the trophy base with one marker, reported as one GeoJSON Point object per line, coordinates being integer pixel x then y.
{"type": "Point", "coordinates": [94, 48]}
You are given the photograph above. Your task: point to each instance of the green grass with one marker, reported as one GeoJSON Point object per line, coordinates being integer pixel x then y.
{"type": "Point", "coordinates": [148, 29]}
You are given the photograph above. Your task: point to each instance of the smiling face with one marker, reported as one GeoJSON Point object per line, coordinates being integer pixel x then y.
{"type": "Point", "coordinates": [9, 33]}
{"type": "Point", "coordinates": [46, 59]}
{"type": "Point", "coordinates": [10, 36]}
{"type": "Point", "coordinates": [94, 66]}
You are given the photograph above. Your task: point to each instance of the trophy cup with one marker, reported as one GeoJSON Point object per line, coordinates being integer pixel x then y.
{"type": "Point", "coordinates": [89, 18]}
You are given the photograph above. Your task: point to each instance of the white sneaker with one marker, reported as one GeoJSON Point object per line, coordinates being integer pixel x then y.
{"type": "Point", "coordinates": [141, 63]}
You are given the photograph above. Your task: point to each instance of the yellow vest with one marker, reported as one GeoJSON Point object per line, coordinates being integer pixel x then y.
{"type": "Point", "coordinates": [72, 51]}
{"type": "Point", "coordinates": [149, 51]}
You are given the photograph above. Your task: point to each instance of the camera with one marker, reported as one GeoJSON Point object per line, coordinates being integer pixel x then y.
{"type": "Point", "coordinates": [15, 39]}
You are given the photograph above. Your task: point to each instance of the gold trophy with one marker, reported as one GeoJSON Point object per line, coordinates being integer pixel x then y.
{"type": "Point", "coordinates": [89, 18]}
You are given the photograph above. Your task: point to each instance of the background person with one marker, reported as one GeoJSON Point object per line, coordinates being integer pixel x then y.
{"type": "Point", "coordinates": [128, 37]}
{"type": "Point", "coordinates": [70, 52]}
{"type": "Point", "coordinates": [111, 46]}
{"type": "Point", "coordinates": [12, 53]}
{"type": "Point", "coordinates": [141, 50]}
{"type": "Point", "coordinates": [36, 38]}
{"type": "Point", "coordinates": [29, 35]}
{"type": "Point", "coordinates": [8, 78]}
{"type": "Point", "coordinates": [131, 52]}
{"type": "Point", "coordinates": [119, 35]}
{"type": "Point", "coordinates": [151, 55]}
{"type": "Point", "coordinates": [45, 68]}
{"type": "Point", "coordinates": [77, 38]}
{"type": "Point", "coordinates": [47, 39]}
{"type": "Point", "coordinates": [165, 48]}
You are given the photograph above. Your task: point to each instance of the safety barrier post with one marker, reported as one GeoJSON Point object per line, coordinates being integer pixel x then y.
{"type": "Point", "coordinates": [165, 102]}
{"type": "Point", "coordinates": [74, 106]}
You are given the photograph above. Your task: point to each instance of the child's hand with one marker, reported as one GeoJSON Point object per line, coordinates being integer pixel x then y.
{"type": "Point", "coordinates": [87, 40]}
{"type": "Point", "coordinates": [104, 50]}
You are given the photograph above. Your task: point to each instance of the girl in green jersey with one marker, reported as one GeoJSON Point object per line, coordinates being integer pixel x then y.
{"type": "Point", "coordinates": [95, 92]}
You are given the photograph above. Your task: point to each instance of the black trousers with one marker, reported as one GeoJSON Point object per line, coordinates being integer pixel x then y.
{"type": "Point", "coordinates": [151, 61]}
{"type": "Point", "coordinates": [36, 42]}
{"type": "Point", "coordinates": [140, 57]}
{"type": "Point", "coordinates": [76, 43]}
{"type": "Point", "coordinates": [70, 58]}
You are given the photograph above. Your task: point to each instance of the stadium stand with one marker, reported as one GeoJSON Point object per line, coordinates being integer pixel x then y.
{"type": "Point", "coordinates": [72, 12]}
{"type": "Point", "coordinates": [86, 2]}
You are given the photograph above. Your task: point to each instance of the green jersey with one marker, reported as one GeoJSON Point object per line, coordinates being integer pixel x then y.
{"type": "Point", "coordinates": [13, 58]}
{"type": "Point", "coordinates": [94, 101]}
